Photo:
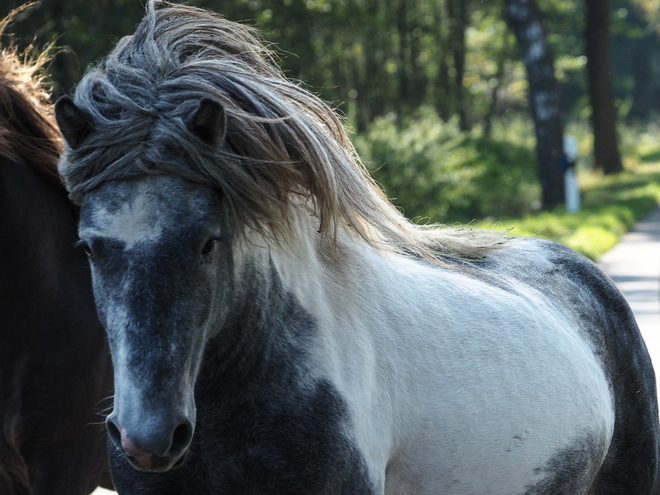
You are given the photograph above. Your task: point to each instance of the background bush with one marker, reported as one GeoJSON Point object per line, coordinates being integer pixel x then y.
{"type": "Point", "coordinates": [429, 168]}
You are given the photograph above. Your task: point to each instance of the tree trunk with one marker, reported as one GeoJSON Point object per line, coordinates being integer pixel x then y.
{"type": "Point", "coordinates": [374, 78]}
{"type": "Point", "coordinates": [603, 114]}
{"type": "Point", "coordinates": [457, 12]}
{"type": "Point", "coordinates": [441, 86]}
{"type": "Point", "coordinates": [492, 108]}
{"type": "Point", "coordinates": [524, 19]}
{"type": "Point", "coordinates": [419, 82]}
{"type": "Point", "coordinates": [643, 103]}
{"type": "Point", "coordinates": [404, 57]}
{"type": "Point", "coordinates": [62, 70]}
{"type": "Point", "coordinates": [642, 51]}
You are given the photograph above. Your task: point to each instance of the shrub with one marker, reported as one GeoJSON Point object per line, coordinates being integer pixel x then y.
{"type": "Point", "coordinates": [430, 168]}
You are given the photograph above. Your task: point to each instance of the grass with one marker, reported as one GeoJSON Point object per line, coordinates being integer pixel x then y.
{"type": "Point", "coordinates": [610, 207]}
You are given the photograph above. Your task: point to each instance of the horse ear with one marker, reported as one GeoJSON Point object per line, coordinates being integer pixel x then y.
{"type": "Point", "coordinates": [209, 122]}
{"type": "Point", "coordinates": [75, 123]}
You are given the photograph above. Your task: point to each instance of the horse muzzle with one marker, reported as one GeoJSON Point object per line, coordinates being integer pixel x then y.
{"type": "Point", "coordinates": [152, 446]}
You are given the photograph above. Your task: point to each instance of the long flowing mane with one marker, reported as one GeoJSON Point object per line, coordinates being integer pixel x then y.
{"type": "Point", "coordinates": [283, 144]}
{"type": "Point", "coordinates": [28, 132]}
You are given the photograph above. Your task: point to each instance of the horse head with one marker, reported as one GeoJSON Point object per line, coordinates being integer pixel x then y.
{"type": "Point", "coordinates": [160, 253]}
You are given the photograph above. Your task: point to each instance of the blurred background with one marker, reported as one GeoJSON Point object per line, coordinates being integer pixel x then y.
{"type": "Point", "coordinates": [459, 108]}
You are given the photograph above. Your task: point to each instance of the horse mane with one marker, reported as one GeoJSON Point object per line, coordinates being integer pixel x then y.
{"type": "Point", "coordinates": [28, 132]}
{"type": "Point", "coordinates": [283, 145]}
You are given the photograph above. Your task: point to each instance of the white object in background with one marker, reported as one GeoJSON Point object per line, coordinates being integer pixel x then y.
{"type": "Point", "coordinates": [572, 191]}
{"type": "Point", "coordinates": [571, 187]}
{"type": "Point", "coordinates": [571, 149]}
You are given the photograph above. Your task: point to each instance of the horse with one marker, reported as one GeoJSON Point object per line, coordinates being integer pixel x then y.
{"type": "Point", "coordinates": [278, 327]}
{"type": "Point", "coordinates": [55, 367]}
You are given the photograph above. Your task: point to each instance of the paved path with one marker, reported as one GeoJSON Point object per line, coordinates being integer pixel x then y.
{"type": "Point", "coordinates": [634, 265]}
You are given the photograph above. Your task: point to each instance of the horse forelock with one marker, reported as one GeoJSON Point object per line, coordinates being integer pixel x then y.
{"type": "Point", "coordinates": [28, 132]}
{"type": "Point", "coordinates": [282, 143]}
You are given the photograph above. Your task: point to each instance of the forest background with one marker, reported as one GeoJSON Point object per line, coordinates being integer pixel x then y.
{"type": "Point", "coordinates": [436, 92]}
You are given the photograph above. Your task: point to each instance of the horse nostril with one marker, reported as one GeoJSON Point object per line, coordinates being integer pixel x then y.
{"type": "Point", "coordinates": [181, 438]}
{"type": "Point", "coordinates": [114, 433]}
{"type": "Point", "coordinates": [152, 445]}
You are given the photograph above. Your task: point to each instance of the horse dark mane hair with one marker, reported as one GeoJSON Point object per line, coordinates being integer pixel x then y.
{"type": "Point", "coordinates": [28, 132]}
{"type": "Point", "coordinates": [283, 144]}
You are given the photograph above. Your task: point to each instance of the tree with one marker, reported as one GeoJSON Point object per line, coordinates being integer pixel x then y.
{"type": "Point", "coordinates": [642, 43]}
{"type": "Point", "coordinates": [458, 18]}
{"type": "Point", "coordinates": [603, 114]}
{"type": "Point", "coordinates": [524, 18]}
{"type": "Point", "coordinates": [85, 31]}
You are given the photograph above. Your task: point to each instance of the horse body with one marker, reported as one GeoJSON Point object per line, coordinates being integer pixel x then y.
{"type": "Point", "coordinates": [410, 390]}
{"type": "Point", "coordinates": [469, 392]}
{"type": "Point", "coordinates": [472, 385]}
{"type": "Point", "coordinates": [276, 326]}
{"type": "Point", "coordinates": [55, 365]}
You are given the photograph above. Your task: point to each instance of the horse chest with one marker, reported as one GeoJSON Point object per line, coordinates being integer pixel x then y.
{"type": "Point", "coordinates": [283, 439]}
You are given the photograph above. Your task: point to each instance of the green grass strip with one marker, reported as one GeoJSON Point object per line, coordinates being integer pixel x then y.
{"type": "Point", "coordinates": [610, 207]}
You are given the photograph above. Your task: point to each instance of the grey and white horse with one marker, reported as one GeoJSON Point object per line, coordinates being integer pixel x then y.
{"type": "Point", "coordinates": [277, 327]}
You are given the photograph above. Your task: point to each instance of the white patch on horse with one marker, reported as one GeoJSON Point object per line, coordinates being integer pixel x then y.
{"type": "Point", "coordinates": [135, 222]}
{"type": "Point", "coordinates": [374, 343]}
{"type": "Point", "coordinates": [118, 318]}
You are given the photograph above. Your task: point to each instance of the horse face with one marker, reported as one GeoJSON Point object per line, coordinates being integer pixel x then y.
{"type": "Point", "coordinates": [160, 251]}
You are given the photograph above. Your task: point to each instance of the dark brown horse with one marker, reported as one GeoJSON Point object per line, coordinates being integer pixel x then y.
{"type": "Point", "coordinates": [55, 369]}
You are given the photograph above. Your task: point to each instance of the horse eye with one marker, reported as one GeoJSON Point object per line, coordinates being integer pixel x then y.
{"type": "Point", "coordinates": [85, 247]}
{"type": "Point", "coordinates": [209, 247]}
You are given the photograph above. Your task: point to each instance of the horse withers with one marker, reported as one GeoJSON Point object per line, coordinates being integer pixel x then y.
{"type": "Point", "coordinates": [277, 327]}
{"type": "Point", "coordinates": [55, 369]}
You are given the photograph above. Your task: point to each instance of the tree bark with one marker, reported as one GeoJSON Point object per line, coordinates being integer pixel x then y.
{"type": "Point", "coordinates": [601, 94]}
{"type": "Point", "coordinates": [441, 86]}
{"type": "Point", "coordinates": [63, 75]}
{"type": "Point", "coordinates": [419, 81]}
{"type": "Point", "coordinates": [642, 51]}
{"type": "Point", "coordinates": [643, 101]}
{"type": "Point", "coordinates": [404, 56]}
{"type": "Point", "coordinates": [373, 77]}
{"type": "Point", "coordinates": [524, 18]}
{"type": "Point", "coordinates": [457, 12]}
{"type": "Point", "coordinates": [492, 108]}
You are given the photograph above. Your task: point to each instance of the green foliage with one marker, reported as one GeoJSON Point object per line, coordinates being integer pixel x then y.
{"type": "Point", "coordinates": [379, 61]}
{"type": "Point", "coordinates": [434, 171]}
{"type": "Point", "coordinates": [431, 169]}
{"type": "Point", "coordinates": [373, 57]}
{"type": "Point", "coordinates": [85, 30]}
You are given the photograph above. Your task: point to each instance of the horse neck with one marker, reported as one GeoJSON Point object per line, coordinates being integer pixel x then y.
{"type": "Point", "coordinates": [310, 265]}
{"type": "Point", "coordinates": [278, 288]}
